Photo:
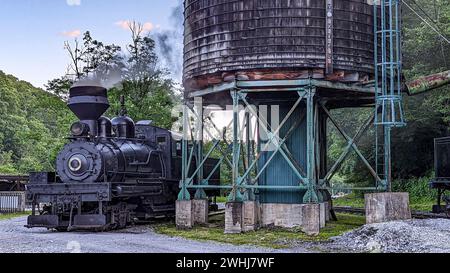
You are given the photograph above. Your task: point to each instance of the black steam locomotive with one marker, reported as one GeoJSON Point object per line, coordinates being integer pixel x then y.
{"type": "Point", "coordinates": [112, 173]}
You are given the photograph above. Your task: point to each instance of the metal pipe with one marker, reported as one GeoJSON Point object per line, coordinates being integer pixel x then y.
{"type": "Point", "coordinates": [428, 83]}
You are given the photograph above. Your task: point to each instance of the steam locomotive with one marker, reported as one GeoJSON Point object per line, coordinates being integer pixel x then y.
{"type": "Point", "coordinates": [112, 173]}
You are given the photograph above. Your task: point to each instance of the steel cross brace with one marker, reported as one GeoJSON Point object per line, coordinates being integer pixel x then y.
{"type": "Point", "coordinates": [198, 147]}
{"type": "Point", "coordinates": [187, 181]}
{"type": "Point", "coordinates": [224, 153]}
{"type": "Point", "coordinates": [352, 145]}
{"type": "Point", "coordinates": [278, 142]}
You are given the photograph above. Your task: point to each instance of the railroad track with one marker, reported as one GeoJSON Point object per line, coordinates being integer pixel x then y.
{"type": "Point", "coordinates": [415, 214]}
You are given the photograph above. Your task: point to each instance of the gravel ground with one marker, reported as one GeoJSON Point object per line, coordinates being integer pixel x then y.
{"type": "Point", "coordinates": [415, 236]}
{"type": "Point", "coordinates": [14, 238]}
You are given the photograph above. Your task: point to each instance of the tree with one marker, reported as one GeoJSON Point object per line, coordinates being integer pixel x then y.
{"type": "Point", "coordinates": [34, 124]}
{"type": "Point", "coordinates": [87, 58]}
{"type": "Point", "coordinates": [148, 91]}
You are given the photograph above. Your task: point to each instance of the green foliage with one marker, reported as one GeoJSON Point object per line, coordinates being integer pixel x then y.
{"type": "Point", "coordinates": [424, 51]}
{"type": "Point", "coordinates": [428, 115]}
{"type": "Point", "coordinates": [154, 101]}
{"type": "Point", "coordinates": [6, 163]}
{"type": "Point", "coordinates": [34, 124]}
{"type": "Point", "coordinates": [418, 188]}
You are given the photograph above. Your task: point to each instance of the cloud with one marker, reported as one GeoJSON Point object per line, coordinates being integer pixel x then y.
{"type": "Point", "coordinates": [72, 34]}
{"type": "Point", "coordinates": [73, 2]}
{"type": "Point", "coordinates": [146, 27]}
{"type": "Point", "coordinates": [123, 24]}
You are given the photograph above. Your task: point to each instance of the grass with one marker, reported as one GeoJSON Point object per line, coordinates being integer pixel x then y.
{"type": "Point", "coordinates": [222, 199]}
{"type": "Point", "coordinates": [350, 200]}
{"type": "Point", "coordinates": [10, 216]}
{"type": "Point", "coordinates": [355, 201]}
{"type": "Point", "coordinates": [273, 238]}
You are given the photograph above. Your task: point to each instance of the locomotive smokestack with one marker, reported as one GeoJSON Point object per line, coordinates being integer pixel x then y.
{"type": "Point", "coordinates": [89, 103]}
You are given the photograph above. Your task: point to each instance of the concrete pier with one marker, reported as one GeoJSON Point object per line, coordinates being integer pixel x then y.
{"type": "Point", "coordinates": [234, 217]}
{"type": "Point", "coordinates": [322, 215]}
{"type": "Point", "coordinates": [200, 211]}
{"type": "Point", "coordinates": [250, 216]}
{"type": "Point", "coordinates": [311, 219]}
{"type": "Point", "coordinates": [328, 207]}
{"type": "Point", "coordinates": [386, 207]}
{"type": "Point", "coordinates": [184, 214]}
{"type": "Point", "coordinates": [281, 215]}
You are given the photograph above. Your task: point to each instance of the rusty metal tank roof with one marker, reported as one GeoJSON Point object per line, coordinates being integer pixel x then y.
{"type": "Point", "coordinates": [272, 39]}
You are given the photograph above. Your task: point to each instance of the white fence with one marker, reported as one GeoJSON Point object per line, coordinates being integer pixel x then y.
{"type": "Point", "coordinates": [12, 202]}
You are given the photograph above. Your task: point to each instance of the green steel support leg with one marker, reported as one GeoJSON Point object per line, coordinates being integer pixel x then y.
{"type": "Point", "coordinates": [184, 193]}
{"type": "Point", "coordinates": [311, 194]}
{"type": "Point", "coordinates": [200, 193]}
{"type": "Point", "coordinates": [387, 159]}
{"type": "Point", "coordinates": [250, 195]}
{"type": "Point", "coordinates": [317, 152]}
{"type": "Point", "coordinates": [235, 195]}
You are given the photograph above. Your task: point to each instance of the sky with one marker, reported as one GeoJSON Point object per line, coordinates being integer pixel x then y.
{"type": "Point", "coordinates": [32, 32]}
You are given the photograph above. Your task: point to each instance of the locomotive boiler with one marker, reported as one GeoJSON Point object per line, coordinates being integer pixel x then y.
{"type": "Point", "coordinates": [112, 172]}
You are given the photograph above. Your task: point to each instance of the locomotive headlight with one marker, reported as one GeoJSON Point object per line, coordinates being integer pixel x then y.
{"type": "Point", "coordinates": [79, 129]}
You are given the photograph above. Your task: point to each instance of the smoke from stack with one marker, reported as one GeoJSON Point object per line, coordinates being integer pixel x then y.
{"type": "Point", "coordinates": [106, 75]}
{"type": "Point", "coordinates": [170, 43]}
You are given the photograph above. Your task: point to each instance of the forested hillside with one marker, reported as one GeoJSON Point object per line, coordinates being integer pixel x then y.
{"type": "Point", "coordinates": [33, 126]}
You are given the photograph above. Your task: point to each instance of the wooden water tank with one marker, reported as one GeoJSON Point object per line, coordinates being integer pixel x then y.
{"type": "Point", "coordinates": [277, 39]}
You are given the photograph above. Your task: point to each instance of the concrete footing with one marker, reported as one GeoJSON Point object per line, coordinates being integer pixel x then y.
{"type": "Point", "coordinates": [311, 220]}
{"type": "Point", "coordinates": [184, 214]}
{"type": "Point", "coordinates": [281, 215]}
{"type": "Point", "coordinates": [250, 215]}
{"type": "Point", "coordinates": [234, 217]}
{"type": "Point", "coordinates": [322, 215]}
{"type": "Point", "coordinates": [309, 217]}
{"type": "Point", "coordinates": [386, 207]}
{"type": "Point", "coordinates": [201, 211]}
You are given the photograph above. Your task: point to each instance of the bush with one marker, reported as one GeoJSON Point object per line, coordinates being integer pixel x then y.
{"type": "Point", "coordinates": [418, 188]}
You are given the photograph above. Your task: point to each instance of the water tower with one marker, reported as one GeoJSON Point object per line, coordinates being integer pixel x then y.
{"type": "Point", "coordinates": [280, 67]}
